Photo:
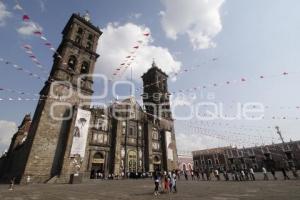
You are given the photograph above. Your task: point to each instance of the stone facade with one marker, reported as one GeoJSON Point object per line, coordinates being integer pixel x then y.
{"type": "Point", "coordinates": [274, 156]}
{"type": "Point", "coordinates": [118, 142]}
{"type": "Point", "coordinates": [185, 163]}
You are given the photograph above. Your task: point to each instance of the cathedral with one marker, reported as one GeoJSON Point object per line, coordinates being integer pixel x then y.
{"type": "Point", "coordinates": [69, 140]}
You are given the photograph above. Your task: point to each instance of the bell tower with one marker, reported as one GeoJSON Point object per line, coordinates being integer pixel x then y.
{"type": "Point", "coordinates": [156, 95]}
{"type": "Point", "coordinates": [69, 86]}
{"type": "Point", "coordinates": [157, 103]}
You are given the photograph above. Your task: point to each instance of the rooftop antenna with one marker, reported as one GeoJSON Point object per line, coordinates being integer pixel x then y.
{"type": "Point", "coordinates": [279, 133]}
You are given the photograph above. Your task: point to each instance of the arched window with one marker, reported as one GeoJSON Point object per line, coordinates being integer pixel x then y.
{"type": "Point", "coordinates": [209, 162]}
{"type": "Point", "coordinates": [72, 62]}
{"type": "Point", "coordinates": [90, 37]}
{"type": "Point", "coordinates": [156, 159]}
{"type": "Point", "coordinates": [78, 39]}
{"type": "Point", "coordinates": [80, 31]}
{"type": "Point", "coordinates": [84, 68]}
{"type": "Point", "coordinates": [89, 45]}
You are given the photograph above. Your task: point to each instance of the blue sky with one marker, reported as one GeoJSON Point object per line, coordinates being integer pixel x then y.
{"type": "Point", "coordinates": [249, 38]}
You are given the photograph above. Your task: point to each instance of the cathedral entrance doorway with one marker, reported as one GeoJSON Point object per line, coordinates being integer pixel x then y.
{"type": "Point", "coordinates": [132, 162]}
{"type": "Point", "coordinates": [156, 163]}
{"type": "Point", "coordinates": [97, 170]}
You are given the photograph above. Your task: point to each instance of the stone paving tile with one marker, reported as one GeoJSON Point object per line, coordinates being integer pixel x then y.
{"type": "Point", "coordinates": [143, 189]}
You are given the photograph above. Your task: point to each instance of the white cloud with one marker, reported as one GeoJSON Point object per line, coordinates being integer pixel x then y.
{"type": "Point", "coordinates": [199, 19]}
{"type": "Point", "coordinates": [135, 15]}
{"type": "Point", "coordinates": [28, 28]}
{"type": "Point", "coordinates": [183, 99]}
{"type": "Point", "coordinates": [4, 14]}
{"type": "Point", "coordinates": [118, 41]}
{"type": "Point", "coordinates": [7, 129]}
{"type": "Point", "coordinates": [187, 142]}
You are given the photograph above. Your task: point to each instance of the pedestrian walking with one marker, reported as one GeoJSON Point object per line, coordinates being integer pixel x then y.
{"type": "Point", "coordinates": [202, 175]}
{"type": "Point", "coordinates": [285, 176]}
{"type": "Point", "coordinates": [242, 175]}
{"type": "Point", "coordinates": [252, 175]}
{"type": "Point", "coordinates": [207, 175]}
{"type": "Point", "coordinates": [198, 175]}
{"type": "Point", "coordinates": [247, 174]}
{"type": "Point", "coordinates": [28, 179]}
{"type": "Point", "coordinates": [186, 176]}
{"type": "Point", "coordinates": [295, 173]}
{"type": "Point", "coordinates": [266, 178]}
{"type": "Point", "coordinates": [156, 183]}
{"type": "Point", "coordinates": [12, 184]}
{"type": "Point", "coordinates": [170, 181]}
{"type": "Point", "coordinates": [166, 183]}
{"type": "Point", "coordinates": [225, 174]}
{"type": "Point", "coordinates": [217, 174]}
{"type": "Point", "coordinates": [273, 173]}
{"type": "Point", "coordinates": [174, 183]}
{"type": "Point", "coordinates": [192, 175]}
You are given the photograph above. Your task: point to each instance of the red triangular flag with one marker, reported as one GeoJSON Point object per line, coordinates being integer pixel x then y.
{"type": "Point", "coordinates": [27, 46]}
{"type": "Point", "coordinates": [37, 32]}
{"type": "Point", "coordinates": [26, 18]}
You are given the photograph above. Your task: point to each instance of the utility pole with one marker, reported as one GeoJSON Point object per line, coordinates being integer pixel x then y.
{"type": "Point", "coordinates": [288, 152]}
{"type": "Point", "coordinates": [280, 135]}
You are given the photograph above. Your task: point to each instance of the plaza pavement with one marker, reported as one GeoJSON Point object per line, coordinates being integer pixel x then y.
{"type": "Point", "coordinates": [143, 189]}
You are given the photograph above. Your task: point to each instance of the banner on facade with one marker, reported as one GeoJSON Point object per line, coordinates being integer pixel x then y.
{"type": "Point", "coordinates": [169, 146]}
{"type": "Point", "coordinates": [80, 133]}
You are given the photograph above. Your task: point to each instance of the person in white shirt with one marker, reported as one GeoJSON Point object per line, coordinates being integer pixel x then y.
{"type": "Point", "coordinates": [265, 174]}
{"type": "Point", "coordinates": [217, 174]}
{"type": "Point", "coordinates": [242, 175]}
{"type": "Point", "coordinates": [252, 176]}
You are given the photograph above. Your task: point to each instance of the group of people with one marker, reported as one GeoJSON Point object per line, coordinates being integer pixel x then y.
{"type": "Point", "coordinates": [237, 175]}
{"type": "Point", "coordinates": [165, 182]}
